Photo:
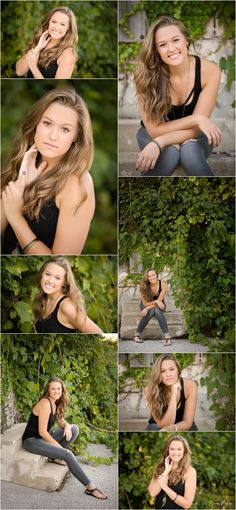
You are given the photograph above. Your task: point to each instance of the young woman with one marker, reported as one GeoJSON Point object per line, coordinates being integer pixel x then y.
{"type": "Point", "coordinates": [174, 478]}
{"type": "Point", "coordinates": [48, 195]}
{"type": "Point", "coordinates": [52, 51]}
{"type": "Point", "coordinates": [171, 399]}
{"type": "Point", "coordinates": [177, 94]}
{"type": "Point", "coordinates": [152, 292]}
{"type": "Point", "coordinates": [59, 305]}
{"type": "Point", "coordinates": [40, 438]}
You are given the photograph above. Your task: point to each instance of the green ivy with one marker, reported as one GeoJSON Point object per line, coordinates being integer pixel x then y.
{"type": "Point", "coordinates": [87, 366]}
{"type": "Point", "coordinates": [190, 223]}
{"type": "Point", "coordinates": [212, 457]}
{"type": "Point", "coordinates": [94, 275]}
{"type": "Point", "coordinates": [195, 15]}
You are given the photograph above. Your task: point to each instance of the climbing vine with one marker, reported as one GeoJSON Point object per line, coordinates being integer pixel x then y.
{"type": "Point", "coordinates": [194, 17]}
{"type": "Point", "coordinates": [189, 222]}
{"type": "Point", "coordinates": [88, 366]}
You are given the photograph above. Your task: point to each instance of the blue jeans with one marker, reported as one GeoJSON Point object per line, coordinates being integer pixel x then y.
{"type": "Point", "coordinates": [41, 447]}
{"type": "Point", "coordinates": [192, 155]}
{"type": "Point", "coordinates": [153, 312]}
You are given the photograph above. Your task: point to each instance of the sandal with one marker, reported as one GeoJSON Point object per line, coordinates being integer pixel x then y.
{"type": "Point", "coordinates": [137, 339]}
{"type": "Point", "coordinates": [168, 341]}
{"type": "Point", "coordinates": [89, 492]}
{"type": "Point", "coordinates": [61, 462]}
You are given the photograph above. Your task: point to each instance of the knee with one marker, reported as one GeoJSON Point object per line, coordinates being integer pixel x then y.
{"type": "Point", "coordinates": [75, 431]}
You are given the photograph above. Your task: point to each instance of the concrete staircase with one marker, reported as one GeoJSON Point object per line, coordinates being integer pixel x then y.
{"type": "Point", "coordinates": [222, 164]}
{"type": "Point", "coordinates": [130, 316]}
{"type": "Point", "coordinates": [25, 468]}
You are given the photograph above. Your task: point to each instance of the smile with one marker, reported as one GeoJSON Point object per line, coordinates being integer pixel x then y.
{"type": "Point", "coordinates": [50, 146]}
{"type": "Point", "coordinates": [174, 55]}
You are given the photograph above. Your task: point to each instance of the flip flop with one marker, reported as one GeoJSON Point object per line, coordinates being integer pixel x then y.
{"type": "Point", "coordinates": [60, 462]}
{"type": "Point", "coordinates": [89, 492]}
{"type": "Point", "coordinates": [137, 339]}
{"type": "Point", "coordinates": [168, 341]}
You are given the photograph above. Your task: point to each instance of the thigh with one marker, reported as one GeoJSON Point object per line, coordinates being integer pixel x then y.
{"type": "Point", "coordinates": [58, 434]}
{"type": "Point", "coordinates": [41, 447]}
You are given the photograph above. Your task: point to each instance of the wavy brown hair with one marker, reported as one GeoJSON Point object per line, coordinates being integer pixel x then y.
{"type": "Point", "coordinates": [70, 39]}
{"type": "Point", "coordinates": [77, 160]}
{"type": "Point", "coordinates": [156, 392]}
{"type": "Point", "coordinates": [151, 76]}
{"type": "Point", "coordinates": [69, 288]}
{"type": "Point", "coordinates": [62, 402]}
{"type": "Point", "coordinates": [175, 475]}
{"type": "Point", "coordinates": [145, 286]}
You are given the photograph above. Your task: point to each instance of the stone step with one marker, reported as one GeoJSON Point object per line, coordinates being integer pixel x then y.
{"type": "Point", "coordinates": [25, 468]}
{"type": "Point", "coordinates": [152, 331]}
{"type": "Point", "coordinates": [157, 346]}
{"type": "Point", "coordinates": [134, 306]}
{"type": "Point", "coordinates": [222, 165]}
{"type": "Point", "coordinates": [133, 318]}
{"type": "Point", "coordinates": [138, 425]}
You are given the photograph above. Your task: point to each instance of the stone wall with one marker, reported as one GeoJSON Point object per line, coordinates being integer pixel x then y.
{"type": "Point", "coordinates": [9, 412]}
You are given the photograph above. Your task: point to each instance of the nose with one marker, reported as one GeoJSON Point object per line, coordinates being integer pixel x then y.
{"type": "Point", "coordinates": [53, 133]}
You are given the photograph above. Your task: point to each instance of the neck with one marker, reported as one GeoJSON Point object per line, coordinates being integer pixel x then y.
{"type": "Point", "coordinates": [51, 163]}
{"type": "Point", "coordinates": [53, 298]}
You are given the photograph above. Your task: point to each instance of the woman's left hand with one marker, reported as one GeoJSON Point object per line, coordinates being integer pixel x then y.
{"type": "Point", "coordinates": [163, 481]}
{"type": "Point", "coordinates": [12, 198]}
{"type": "Point", "coordinates": [147, 158]}
{"type": "Point", "coordinates": [160, 304]}
{"type": "Point", "coordinates": [67, 432]}
{"type": "Point", "coordinates": [32, 58]}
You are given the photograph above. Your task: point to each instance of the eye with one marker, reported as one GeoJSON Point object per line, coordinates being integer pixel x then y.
{"type": "Point", "coordinates": [65, 130]}
{"type": "Point", "coordinates": [46, 123]}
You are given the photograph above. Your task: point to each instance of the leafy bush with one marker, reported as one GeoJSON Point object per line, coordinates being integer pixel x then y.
{"type": "Point", "coordinates": [94, 275]}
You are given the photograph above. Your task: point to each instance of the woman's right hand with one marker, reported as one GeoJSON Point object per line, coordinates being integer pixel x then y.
{"type": "Point", "coordinates": [144, 312]}
{"type": "Point", "coordinates": [28, 166]}
{"type": "Point", "coordinates": [168, 465]}
{"type": "Point", "coordinates": [175, 387]}
{"type": "Point", "coordinates": [208, 127]}
{"type": "Point", "coordinates": [43, 41]}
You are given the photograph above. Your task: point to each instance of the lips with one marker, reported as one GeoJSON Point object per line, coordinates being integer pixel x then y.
{"type": "Point", "coordinates": [50, 145]}
{"type": "Point", "coordinates": [174, 55]}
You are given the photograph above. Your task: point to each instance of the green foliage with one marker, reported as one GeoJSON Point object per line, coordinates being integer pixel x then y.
{"type": "Point", "coordinates": [195, 15]}
{"type": "Point", "coordinates": [97, 28]}
{"type": "Point", "coordinates": [212, 457]}
{"type": "Point", "coordinates": [94, 275]}
{"type": "Point", "coordinates": [101, 98]}
{"type": "Point", "coordinates": [189, 222]}
{"type": "Point", "coordinates": [220, 388]}
{"type": "Point", "coordinates": [88, 367]}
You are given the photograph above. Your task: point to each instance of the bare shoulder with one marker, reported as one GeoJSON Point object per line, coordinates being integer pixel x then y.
{"type": "Point", "coordinates": [68, 55]}
{"type": "Point", "coordinates": [189, 384]}
{"type": "Point", "coordinates": [209, 69]}
{"type": "Point", "coordinates": [74, 189]}
{"type": "Point", "coordinates": [43, 404]}
{"type": "Point", "coordinates": [190, 471]}
{"type": "Point", "coordinates": [163, 283]}
{"type": "Point", "coordinates": [67, 306]}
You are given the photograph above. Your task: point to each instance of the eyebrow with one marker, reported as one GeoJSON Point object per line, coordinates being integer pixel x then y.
{"type": "Point", "coordinates": [173, 37]}
{"type": "Point", "coordinates": [59, 275]}
{"type": "Point", "coordinates": [64, 123]}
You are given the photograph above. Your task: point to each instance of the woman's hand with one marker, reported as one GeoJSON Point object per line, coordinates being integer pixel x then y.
{"type": "Point", "coordinates": [67, 432]}
{"type": "Point", "coordinates": [12, 198]}
{"type": "Point", "coordinates": [144, 312]}
{"type": "Point", "coordinates": [168, 465]}
{"type": "Point", "coordinates": [160, 304]}
{"type": "Point", "coordinates": [208, 127]}
{"type": "Point", "coordinates": [43, 41]}
{"type": "Point", "coordinates": [175, 387]}
{"type": "Point", "coordinates": [163, 481]}
{"type": "Point", "coordinates": [147, 158]}
{"type": "Point", "coordinates": [32, 58]}
{"type": "Point", "coordinates": [28, 166]}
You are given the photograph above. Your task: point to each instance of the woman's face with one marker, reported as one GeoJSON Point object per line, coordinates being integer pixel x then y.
{"type": "Point", "coordinates": [58, 25]}
{"type": "Point", "coordinates": [176, 451]}
{"type": "Point", "coordinates": [169, 372]}
{"type": "Point", "coordinates": [152, 276]}
{"type": "Point", "coordinates": [171, 45]}
{"type": "Point", "coordinates": [56, 131]}
{"type": "Point", "coordinates": [55, 390]}
{"type": "Point", "coordinates": [53, 279]}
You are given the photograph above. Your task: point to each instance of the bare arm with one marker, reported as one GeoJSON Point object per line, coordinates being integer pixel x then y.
{"type": "Point", "coordinates": [189, 491]}
{"type": "Point", "coordinates": [66, 63]}
{"type": "Point", "coordinates": [189, 409]}
{"type": "Point", "coordinates": [43, 410]}
{"type": "Point", "coordinates": [155, 302]}
{"type": "Point", "coordinates": [76, 319]}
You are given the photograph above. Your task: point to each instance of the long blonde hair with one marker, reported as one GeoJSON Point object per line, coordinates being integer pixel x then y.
{"type": "Point", "coordinates": [175, 475]}
{"type": "Point", "coordinates": [151, 76]}
{"type": "Point", "coordinates": [77, 160]}
{"type": "Point", "coordinates": [62, 402]}
{"type": "Point", "coordinates": [70, 39]}
{"type": "Point", "coordinates": [145, 286]}
{"type": "Point", "coordinates": [69, 288]}
{"type": "Point", "coordinates": [156, 392]}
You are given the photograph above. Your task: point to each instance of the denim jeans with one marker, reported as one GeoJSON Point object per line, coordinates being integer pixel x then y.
{"type": "Point", "coordinates": [192, 155]}
{"type": "Point", "coordinates": [153, 312]}
{"type": "Point", "coordinates": [153, 427]}
{"type": "Point", "coordinates": [41, 447]}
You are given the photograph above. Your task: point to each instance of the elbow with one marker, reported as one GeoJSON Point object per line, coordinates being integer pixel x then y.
{"type": "Point", "coordinates": [187, 504]}
{"type": "Point", "coordinates": [151, 491]}
{"type": "Point", "coordinates": [43, 433]}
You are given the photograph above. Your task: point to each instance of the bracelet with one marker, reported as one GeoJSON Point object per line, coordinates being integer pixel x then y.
{"type": "Point", "coordinates": [158, 145]}
{"type": "Point", "coordinates": [175, 498]}
{"type": "Point", "coordinates": [27, 246]}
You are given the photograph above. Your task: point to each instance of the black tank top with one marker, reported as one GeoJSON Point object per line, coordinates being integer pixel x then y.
{"type": "Point", "coordinates": [51, 323]}
{"type": "Point", "coordinates": [32, 427]}
{"type": "Point", "coordinates": [47, 72]}
{"type": "Point", "coordinates": [164, 502]}
{"type": "Point", "coordinates": [183, 110]}
{"type": "Point", "coordinates": [44, 228]}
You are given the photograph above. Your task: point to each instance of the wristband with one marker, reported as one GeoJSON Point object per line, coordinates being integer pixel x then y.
{"type": "Point", "coordinates": [175, 498]}
{"type": "Point", "coordinates": [27, 246]}
{"type": "Point", "coordinates": [158, 145]}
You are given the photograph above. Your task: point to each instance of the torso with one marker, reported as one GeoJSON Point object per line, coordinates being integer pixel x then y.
{"type": "Point", "coordinates": [184, 99]}
{"type": "Point", "coordinates": [164, 502]}
{"type": "Point", "coordinates": [50, 323]}
{"type": "Point", "coordinates": [32, 427]}
{"type": "Point", "coordinates": [47, 72]}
